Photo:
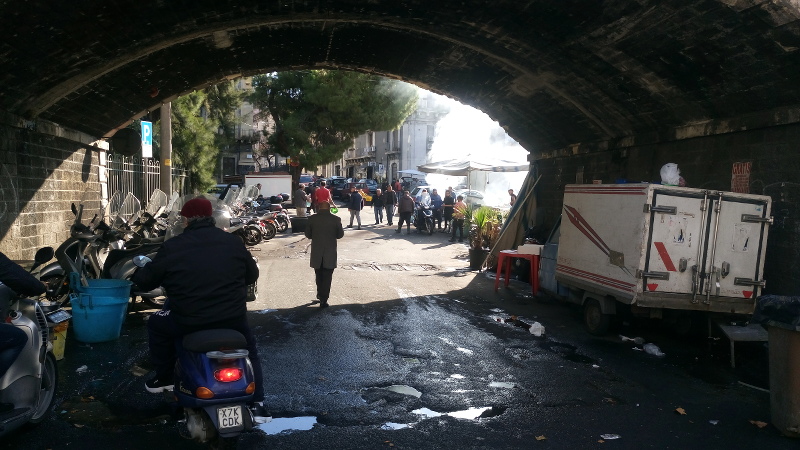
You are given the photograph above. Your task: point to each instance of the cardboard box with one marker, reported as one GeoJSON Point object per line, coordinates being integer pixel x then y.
{"type": "Point", "coordinates": [529, 249]}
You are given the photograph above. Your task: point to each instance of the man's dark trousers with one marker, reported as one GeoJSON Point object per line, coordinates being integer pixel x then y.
{"type": "Point", "coordinates": [324, 280]}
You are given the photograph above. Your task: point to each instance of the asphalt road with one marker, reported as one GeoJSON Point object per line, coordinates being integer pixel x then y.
{"type": "Point", "coordinates": [416, 351]}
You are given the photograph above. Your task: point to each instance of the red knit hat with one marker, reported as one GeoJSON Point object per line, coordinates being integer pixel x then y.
{"type": "Point", "coordinates": [197, 207]}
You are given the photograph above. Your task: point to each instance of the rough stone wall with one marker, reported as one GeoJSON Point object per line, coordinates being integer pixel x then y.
{"type": "Point", "coordinates": [41, 174]}
{"type": "Point", "coordinates": [704, 162]}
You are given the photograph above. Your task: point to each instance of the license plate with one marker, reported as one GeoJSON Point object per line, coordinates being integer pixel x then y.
{"type": "Point", "coordinates": [230, 417]}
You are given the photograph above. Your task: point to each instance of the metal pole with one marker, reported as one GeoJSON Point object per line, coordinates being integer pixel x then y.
{"type": "Point", "coordinates": [166, 148]}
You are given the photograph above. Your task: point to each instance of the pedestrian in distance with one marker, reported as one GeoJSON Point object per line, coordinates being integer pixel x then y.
{"type": "Point", "coordinates": [377, 206]}
{"type": "Point", "coordinates": [436, 204]}
{"type": "Point", "coordinates": [300, 201]}
{"type": "Point", "coordinates": [324, 229]}
{"type": "Point", "coordinates": [389, 202]}
{"type": "Point", "coordinates": [447, 208]}
{"type": "Point", "coordinates": [322, 195]}
{"type": "Point", "coordinates": [398, 187]}
{"type": "Point", "coordinates": [513, 196]}
{"type": "Point", "coordinates": [311, 190]}
{"type": "Point", "coordinates": [458, 219]}
{"type": "Point", "coordinates": [406, 209]}
{"type": "Point", "coordinates": [355, 204]}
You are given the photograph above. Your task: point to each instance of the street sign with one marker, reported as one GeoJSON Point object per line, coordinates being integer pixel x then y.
{"type": "Point", "coordinates": [147, 139]}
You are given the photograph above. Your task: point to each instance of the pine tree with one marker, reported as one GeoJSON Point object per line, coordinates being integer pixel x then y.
{"type": "Point", "coordinates": [317, 113]}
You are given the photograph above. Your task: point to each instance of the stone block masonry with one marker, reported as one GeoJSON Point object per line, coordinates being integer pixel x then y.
{"type": "Point", "coordinates": [41, 173]}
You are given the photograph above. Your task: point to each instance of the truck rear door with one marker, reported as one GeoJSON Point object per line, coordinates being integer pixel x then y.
{"type": "Point", "coordinates": [734, 262]}
{"type": "Point", "coordinates": [706, 244]}
{"type": "Point", "coordinates": [677, 222]}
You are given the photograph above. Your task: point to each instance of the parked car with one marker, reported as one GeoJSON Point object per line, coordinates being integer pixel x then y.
{"type": "Point", "coordinates": [306, 179]}
{"type": "Point", "coordinates": [362, 187]}
{"type": "Point", "coordinates": [372, 185]}
{"type": "Point", "coordinates": [472, 198]}
{"type": "Point", "coordinates": [336, 184]}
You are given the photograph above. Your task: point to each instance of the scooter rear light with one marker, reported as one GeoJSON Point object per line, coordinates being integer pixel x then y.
{"type": "Point", "coordinates": [204, 393]}
{"type": "Point", "coordinates": [228, 374]}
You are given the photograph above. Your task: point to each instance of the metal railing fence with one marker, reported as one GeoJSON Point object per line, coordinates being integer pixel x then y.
{"type": "Point", "coordinates": [141, 177]}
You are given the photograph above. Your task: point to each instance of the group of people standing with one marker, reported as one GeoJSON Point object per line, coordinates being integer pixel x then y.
{"type": "Point", "coordinates": [308, 198]}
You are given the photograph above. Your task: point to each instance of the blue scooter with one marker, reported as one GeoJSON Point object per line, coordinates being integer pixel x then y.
{"type": "Point", "coordinates": [213, 383]}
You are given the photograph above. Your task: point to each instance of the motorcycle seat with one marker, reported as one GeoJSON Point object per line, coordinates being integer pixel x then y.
{"type": "Point", "coordinates": [115, 256]}
{"type": "Point", "coordinates": [216, 339]}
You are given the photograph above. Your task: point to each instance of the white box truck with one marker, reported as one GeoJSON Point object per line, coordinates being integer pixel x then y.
{"type": "Point", "coordinates": [660, 249]}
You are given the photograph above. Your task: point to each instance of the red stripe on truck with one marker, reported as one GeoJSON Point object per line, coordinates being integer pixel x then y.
{"type": "Point", "coordinates": [662, 251]}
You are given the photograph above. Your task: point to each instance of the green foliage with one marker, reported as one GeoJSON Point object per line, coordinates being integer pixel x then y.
{"type": "Point", "coordinates": [484, 226]}
{"type": "Point", "coordinates": [197, 119]}
{"type": "Point", "coordinates": [317, 113]}
{"type": "Point", "coordinates": [194, 139]}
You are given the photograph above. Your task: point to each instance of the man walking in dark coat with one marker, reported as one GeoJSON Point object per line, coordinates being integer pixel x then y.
{"type": "Point", "coordinates": [324, 229]}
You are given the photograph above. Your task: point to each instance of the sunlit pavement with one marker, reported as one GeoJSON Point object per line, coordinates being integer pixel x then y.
{"type": "Point", "coordinates": [416, 351]}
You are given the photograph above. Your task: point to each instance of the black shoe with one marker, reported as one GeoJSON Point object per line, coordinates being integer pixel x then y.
{"type": "Point", "coordinates": [349, 226]}
{"type": "Point", "coordinates": [154, 385]}
{"type": "Point", "coordinates": [323, 304]}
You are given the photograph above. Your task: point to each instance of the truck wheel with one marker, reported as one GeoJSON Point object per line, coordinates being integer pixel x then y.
{"type": "Point", "coordinates": [595, 321]}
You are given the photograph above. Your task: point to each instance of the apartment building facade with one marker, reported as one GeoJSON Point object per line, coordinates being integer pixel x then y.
{"type": "Point", "coordinates": [382, 154]}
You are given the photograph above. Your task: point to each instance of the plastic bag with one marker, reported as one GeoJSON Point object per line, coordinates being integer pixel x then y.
{"type": "Point", "coordinates": [670, 174]}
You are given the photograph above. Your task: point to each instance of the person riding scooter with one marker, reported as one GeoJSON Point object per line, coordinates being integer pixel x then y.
{"type": "Point", "coordinates": [205, 272]}
{"type": "Point", "coordinates": [12, 339]}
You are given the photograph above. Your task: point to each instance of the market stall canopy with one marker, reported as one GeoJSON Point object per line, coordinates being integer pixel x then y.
{"type": "Point", "coordinates": [462, 167]}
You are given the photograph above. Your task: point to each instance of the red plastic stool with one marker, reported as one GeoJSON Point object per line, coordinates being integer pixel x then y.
{"type": "Point", "coordinates": [504, 260]}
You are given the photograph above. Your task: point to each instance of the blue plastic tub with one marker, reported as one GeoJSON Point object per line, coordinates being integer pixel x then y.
{"type": "Point", "coordinates": [99, 309]}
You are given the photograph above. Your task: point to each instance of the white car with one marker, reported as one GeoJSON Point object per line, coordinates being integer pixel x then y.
{"type": "Point", "coordinates": [472, 198]}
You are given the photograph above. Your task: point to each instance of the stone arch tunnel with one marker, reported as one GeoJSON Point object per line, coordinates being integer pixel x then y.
{"type": "Point", "coordinates": [594, 90]}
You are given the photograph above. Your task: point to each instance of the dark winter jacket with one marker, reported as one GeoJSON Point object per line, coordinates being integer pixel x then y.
{"type": "Point", "coordinates": [389, 198]}
{"type": "Point", "coordinates": [356, 201]}
{"type": "Point", "coordinates": [205, 272]}
{"type": "Point", "coordinates": [19, 280]}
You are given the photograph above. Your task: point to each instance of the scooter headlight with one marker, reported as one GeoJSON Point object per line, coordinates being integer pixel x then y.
{"type": "Point", "coordinates": [228, 374]}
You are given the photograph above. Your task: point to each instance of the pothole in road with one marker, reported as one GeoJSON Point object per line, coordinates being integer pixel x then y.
{"type": "Point", "coordinates": [469, 414]}
{"type": "Point", "coordinates": [281, 424]}
{"type": "Point", "coordinates": [473, 413]}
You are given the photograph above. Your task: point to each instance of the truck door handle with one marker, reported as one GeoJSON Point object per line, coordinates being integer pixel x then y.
{"type": "Point", "coordinates": [738, 281]}
{"type": "Point", "coordinates": [654, 275]}
{"type": "Point", "coordinates": [661, 209]}
{"type": "Point", "coordinates": [758, 219]}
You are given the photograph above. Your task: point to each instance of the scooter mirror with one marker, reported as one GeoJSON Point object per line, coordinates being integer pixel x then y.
{"type": "Point", "coordinates": [43, 255]}
{"type": "Point", "coordinates": [141, 260]}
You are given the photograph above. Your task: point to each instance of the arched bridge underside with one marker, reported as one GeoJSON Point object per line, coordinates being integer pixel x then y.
{"type": "Point", "coordinates": [552, 73]}
{"type": "Point", "coordinates": [594, 90]}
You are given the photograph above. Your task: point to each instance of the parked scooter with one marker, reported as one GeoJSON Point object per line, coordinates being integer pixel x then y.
{"type": "Point", "coordinates": [213, 382]}
{"type": "Point", "coordinates": [98, 250]}
{"type": "Point", "coordinates": [30, 383]}
{"type": "Point", "coordinates": [423, 218]}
